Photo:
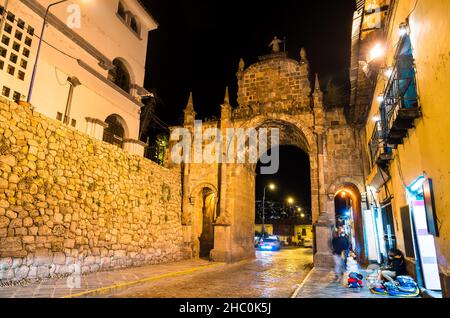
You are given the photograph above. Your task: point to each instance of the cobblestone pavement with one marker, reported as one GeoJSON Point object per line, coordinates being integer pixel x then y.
{"type": "Point", "coordinates": [270, 275]}
{"type": "Point", "coordinates": [322, 284]}
{"type": "Point", "coordinates": [56, 288]}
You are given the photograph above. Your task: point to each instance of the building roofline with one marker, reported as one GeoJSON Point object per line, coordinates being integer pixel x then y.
{"type": "Point", "coordinates": [148, 12]}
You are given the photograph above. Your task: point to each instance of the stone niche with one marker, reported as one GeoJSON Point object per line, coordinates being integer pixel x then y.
{"type": "Point", "coordinates": [70, 203]}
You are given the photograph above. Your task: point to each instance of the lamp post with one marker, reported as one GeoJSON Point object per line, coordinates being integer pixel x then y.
{"type": "Point", "coordinates": [271, 187]}
{"type": "Point", "coordinates": [33, 75]}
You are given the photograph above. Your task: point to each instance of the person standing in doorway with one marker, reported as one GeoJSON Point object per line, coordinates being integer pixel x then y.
{"type": "Point", "coordinates": [341, 245]}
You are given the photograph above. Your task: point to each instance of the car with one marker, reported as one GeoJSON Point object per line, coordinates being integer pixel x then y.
{"type": "Point", "coordinates": [308, 243]}
{"type": "Point", "coordinates": [271, 243]}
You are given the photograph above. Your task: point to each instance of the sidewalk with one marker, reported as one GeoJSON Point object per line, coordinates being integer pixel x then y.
{"type": "Point", "coordinates": [101, 283]}
{"type": "Point", "coordinates": [321, 284]}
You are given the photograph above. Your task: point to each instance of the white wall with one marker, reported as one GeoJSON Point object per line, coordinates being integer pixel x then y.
{"type": "Point", "coordinates": [108, 34]}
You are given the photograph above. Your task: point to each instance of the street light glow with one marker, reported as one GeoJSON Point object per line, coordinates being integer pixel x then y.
{"type": "Point", "coordinates": [272, 186]}
{"type": "Point", "coordinates": [376, 52]}
{"type": "Point", "coordinates": [290, 200]}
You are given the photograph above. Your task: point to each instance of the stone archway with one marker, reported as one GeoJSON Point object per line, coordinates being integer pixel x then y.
{"type": "Point", "coordinates": [352, 190]}
{"type": "Point", "coordinates": [203, 213]}
{"type": "Point", "coordinates": [273, 93]}
{"type": "Point", "coordinates": [237, 221]}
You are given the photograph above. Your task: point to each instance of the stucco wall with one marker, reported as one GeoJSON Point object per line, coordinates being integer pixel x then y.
{"type": "Point", "coordinates": [427, 146]}
{"type": "Point", "coordinates": [94, 98]}
{"type": "Point", "coordinates": [67, 200]}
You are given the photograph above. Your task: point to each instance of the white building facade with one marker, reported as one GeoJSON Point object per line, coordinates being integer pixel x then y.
{"type": "Point", "coordinates": [91, 68]}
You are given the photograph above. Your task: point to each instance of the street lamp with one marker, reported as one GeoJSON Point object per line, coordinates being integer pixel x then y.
{"type": "Point", "coordinates": [290, 200]}
{"type": "Point", "coordinates": [272, 187]}
{"type": "Point", "coordinates": [38, 53]}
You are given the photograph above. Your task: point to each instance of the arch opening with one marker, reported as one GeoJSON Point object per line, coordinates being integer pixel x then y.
{"type": "Point", "coordinates": [205, 215]}
{"type": "Point", "coordinates": [348, 214]}
{"type": "Point", "coordinates": [283, 206]}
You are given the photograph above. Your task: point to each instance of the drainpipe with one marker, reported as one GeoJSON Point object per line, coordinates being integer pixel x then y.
{"type": "Point", "coordinates": [73, 82]}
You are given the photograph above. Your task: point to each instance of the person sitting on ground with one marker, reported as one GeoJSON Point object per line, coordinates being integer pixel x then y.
{"type": "Point", "coordinates": [396, 266]}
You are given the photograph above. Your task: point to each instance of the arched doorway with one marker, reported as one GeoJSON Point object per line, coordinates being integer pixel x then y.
{"type": "Point", "coordinates": [348, 214]}
{"type": "Point", "coordinates": [204, 215]}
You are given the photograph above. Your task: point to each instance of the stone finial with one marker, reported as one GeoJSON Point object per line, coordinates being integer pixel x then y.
{"type": "Point", "coordinates": [190, 104]}
{"type": "Point", "coordinates": [226, 100]}
{"type": "Point", "coordinates": [189, 112]}
{"type": "Point", "coordinates": [317, 83]}
{"type": "Point", "coordinates": [226, 107]}
{"type": "Point", "coordinates": [317, 94]}
{"type": "Point", "coordinates": [241, 65]}
{"type": "Point", "coordinates": [303, 56]}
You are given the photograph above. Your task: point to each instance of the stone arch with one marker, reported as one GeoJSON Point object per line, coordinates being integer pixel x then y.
{"type": "Point", "coordinates": [341, 182]}
{"type": "Point", "coordinates": [203, 213]}
{"type": "Point", "coordinates": [355, 190]}
{"type": "Point", "coordinates": [198, 188]}
{"type": "Point", "coordinates": [261, 120]}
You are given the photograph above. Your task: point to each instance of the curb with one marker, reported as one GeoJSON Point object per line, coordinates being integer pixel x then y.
{"type": "Point", "coordinates": [113, 288]}
{"type": "Point", "coordinates": [297, 291]}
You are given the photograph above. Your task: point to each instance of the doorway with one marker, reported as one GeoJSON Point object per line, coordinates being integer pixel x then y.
{"type": "Point", "coordinates": [208, 217]}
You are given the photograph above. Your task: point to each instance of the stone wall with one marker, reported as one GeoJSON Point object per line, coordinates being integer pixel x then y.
{"type": "Point", "coordinates": [275, 83]}
{"type": "Point", "coordinates": [68, 201]}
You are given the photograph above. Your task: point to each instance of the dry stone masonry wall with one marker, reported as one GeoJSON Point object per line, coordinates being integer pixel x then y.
{"type": "Point", "coordinates": [68, 202]}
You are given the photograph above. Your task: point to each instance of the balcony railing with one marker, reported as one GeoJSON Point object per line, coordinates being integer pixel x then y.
{"type": "Point", "coordinates": [380, 153]}
{"type": "Point", "coordinates": [400, 106]}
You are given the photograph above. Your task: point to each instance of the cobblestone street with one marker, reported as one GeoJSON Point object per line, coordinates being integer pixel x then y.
{"type": "Point", "coordinates": [272, 275]}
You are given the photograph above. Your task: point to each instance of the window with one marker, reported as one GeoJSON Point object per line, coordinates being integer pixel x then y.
{"type": "Point", "coordinates": [13, 58]}
{"type": "Point", "coordinates": [21, 24]}
{"type": "Point", "coordinates": [3, 51]}
{"type": "Point", "coordinates": [73, 123]}
{"type": "Point", "coordinates": [26, 52]}
{"type": "Point", "coordinates": [121, 11]}
{"type": "Point", "coordinates": [2, 10]}
{"type": "Point", "coordinates": [30, 30]}
{"type": "Point", "coordinates": [28, 41]}
{"type": "Point", "coordinates": [23, 64]}
{"type": "Point", "coordinates": [6, 91]}
{"type": "Point", "coordinates": [134, 25]}
{"type": "Point", "coordinates": [16, 96]}
{"type": "Point", "coordinates": [59, 116]}
{"type": "Point", "coordinates": [120, 75]}
{"type": "Point", "coordinates": [16, 46]}
{"type": "Point", "coordinates": [5, 40]}
{"type": "Point", "coordinates": [19, 35]}
{"type": "Point", "coordinates": [115, 132]}
{"type": "Point", "coordinates": [2, 65]}
{"type": "Point", "coordinates": [10, 70]}
{"type": "Point", "coordinates": [11, 17]}
{"type": "Point", "coordinates": [8, 28]}
{"type": "Point", "coordinates": [21, 75]}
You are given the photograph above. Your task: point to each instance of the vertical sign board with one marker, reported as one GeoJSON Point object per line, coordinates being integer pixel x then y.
{"type": "Point", "coordinates": [428, 197]}
{"type": "Point", "coordinates": [427, 248]}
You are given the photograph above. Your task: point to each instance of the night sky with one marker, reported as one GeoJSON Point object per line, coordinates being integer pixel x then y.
{"type": "Point", "coordinates": [199, 43]}
{"type": "Point", "coordinates": [292, 180]}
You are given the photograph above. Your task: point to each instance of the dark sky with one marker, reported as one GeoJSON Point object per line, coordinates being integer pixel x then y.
{"type": "Point", "coordinates": [199, 43]}
{"type": "Point", "coordinates": [292, 180]}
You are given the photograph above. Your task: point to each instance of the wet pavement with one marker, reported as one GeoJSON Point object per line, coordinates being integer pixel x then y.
{"type": "Point", "coordinates": [270, 275]}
